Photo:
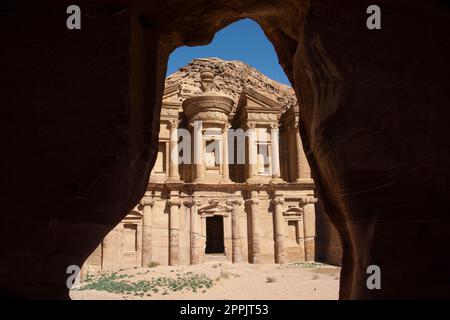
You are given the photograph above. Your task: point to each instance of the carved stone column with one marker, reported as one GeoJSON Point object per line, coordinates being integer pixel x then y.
{"type": "Point", "coordinates": [174, 204]}
{"type": "Point", "coordinates": [303, 170]}
{"type": "Point", "coordinates": [203, 239]}
{"type": "Point", "coordinates": [280, 247]}
{"type": "Point", "coordinates": [227, 235]}
{"type": "Point", "coordinates": [255, 235]}
{"type": "Point", "coordinates": [147, 204]}
{"type": "Point", "coordinates": [110, 255]}
{"type": "Point", "coordinates": [252, 165]}
{"type": "Point", "coordinates": [198, 152]}
{"type": "Point", "coordinates": [301, 239]}
{"type": "Point", "coordinates": [309, 225]}
{"type": "Point", "coordinates": [292, 155]}
{"type": "Point", "coordinates": [195, 232]}
{"type": "Point", "coordinates": [174, 175]}
{"type": "Point", "coordinates": [235, 231]}
{"type": "Point", "coordinates": [275, 156]}
{"type": "Point", "coordinates": [225, 168]}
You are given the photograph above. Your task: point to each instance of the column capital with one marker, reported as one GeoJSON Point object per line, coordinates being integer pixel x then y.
{"type": "Point", "coordinates": [174, 202]}
{"type": "Point", "coordinates": [254, 194]}
{"type": "Point", "coordinates": [278, 200]}
{"type": "Point", "coordinates": [147, 201]}
{"type": "Point", "coordinates": [234, 202]}
{"type": "Point", "coordinates": [196, 124]}
{"type": "Point", "coordinates": [254, 199]}
{"type": "Point", "coordinates": [304, 200]}
{"type": "Point", "coordinates": [274, 125]}
{"type": "Point", "coordinates": [191, 202]}
{"type": "Point", "coordinates": [173, 124]}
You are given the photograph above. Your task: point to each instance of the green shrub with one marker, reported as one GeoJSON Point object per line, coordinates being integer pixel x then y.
{"type": "Point", "coordinates": [111, 282]}
{"type": "Point", "coordinates": [270, 279]}
{"type": "Point", "coordinates": [153, 264]}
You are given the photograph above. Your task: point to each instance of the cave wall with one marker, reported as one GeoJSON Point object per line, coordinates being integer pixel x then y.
{"type": "Point", "coordinates": [376, 120]}
{"type": "Point", "coordinates": [80, 118]}
{"type": "Point", "coordinates": [328, 242]}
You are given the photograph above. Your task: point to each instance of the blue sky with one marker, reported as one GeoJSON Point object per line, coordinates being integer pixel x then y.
{"type": "Point", "coordinates": [243, 40]}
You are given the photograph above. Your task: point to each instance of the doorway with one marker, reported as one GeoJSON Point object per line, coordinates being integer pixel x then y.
{"type": "Point", "coordinates": [214, 235]}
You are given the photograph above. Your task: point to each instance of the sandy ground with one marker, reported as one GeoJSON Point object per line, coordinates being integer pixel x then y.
{"type": "Point", "coordinates": [236, 282]}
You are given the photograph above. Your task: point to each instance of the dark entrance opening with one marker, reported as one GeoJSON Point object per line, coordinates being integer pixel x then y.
{"type": "Point", "coordinates": [214, 235]}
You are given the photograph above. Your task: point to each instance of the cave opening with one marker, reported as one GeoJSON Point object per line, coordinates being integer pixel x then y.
{"type": "Point", "coordinates": [238, 69]}
{"type": "Point", "coordinates": [90, 147]}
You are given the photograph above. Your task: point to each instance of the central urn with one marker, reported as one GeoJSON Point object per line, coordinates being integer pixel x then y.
{"type": "Point", "coordinates": [207, 116]}
{"type": "Point", "coordinates": [209, 108]}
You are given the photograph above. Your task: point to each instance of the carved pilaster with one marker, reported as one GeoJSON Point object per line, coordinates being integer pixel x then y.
{"type": "Point", "coordinates": [303, 170]}
{"type": "Point", "coordinates": [174, 204]}
{"type": "Point", "coordinates": [280, 247]}
{"type": "Point", "coordinates": [174, 175]}
{"type": "Point", "coordinates": [235, 230]}
{"type": "Point", "coordinates": [252, 167]}
{"type": "Point", "coordinates": [255, 234]}
{"type": "Point", "coordinates": [275, 143]}
{"type": "Point", "coordinates": [198, 152]}
{"type": "Point", "coordinates": [225, 168]}
{"type": "Point", "coordinates": [194, 230]}
{"type": "Point", "coordinates": [309, 225]}
{"type": "Point", "coordinates": [147, 225]}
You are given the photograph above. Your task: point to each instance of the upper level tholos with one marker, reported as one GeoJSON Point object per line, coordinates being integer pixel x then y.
{"type": "Point", "coordinates": [228, 126]}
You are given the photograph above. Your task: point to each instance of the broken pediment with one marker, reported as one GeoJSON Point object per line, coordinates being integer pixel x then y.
{"type": "Point", "coordinates": [255, 106]}
{"type": "Point", "coordinates": [171, 93]}
{"type": "Point", "coordinates": [258, 101]}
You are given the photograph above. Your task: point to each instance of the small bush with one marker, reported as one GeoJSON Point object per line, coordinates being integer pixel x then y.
{"type": "Point", "coordinates": [114, 283]}
{"type": "Point", "coordinates": [270, 279]}
{"type": "Point", "coordinates": [153, 264]}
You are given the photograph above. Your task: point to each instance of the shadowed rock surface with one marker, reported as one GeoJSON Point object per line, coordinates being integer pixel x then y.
{"type": "Point", "coordinates": [80, 116]}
